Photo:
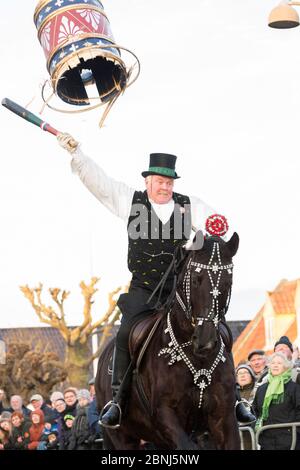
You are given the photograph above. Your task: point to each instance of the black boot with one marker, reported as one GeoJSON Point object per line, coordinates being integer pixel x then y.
{"type": "Point", "coordinates": [243, 415]}
{"type": "Point", "coordinates": [111, 414]}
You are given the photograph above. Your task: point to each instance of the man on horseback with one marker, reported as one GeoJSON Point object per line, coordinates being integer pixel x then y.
{"type": "Point", "coordinates": [158, 220]}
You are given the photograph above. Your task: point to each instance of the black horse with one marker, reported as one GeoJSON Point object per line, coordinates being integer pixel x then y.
{"type": "Point", "coordinates": [184, 382]}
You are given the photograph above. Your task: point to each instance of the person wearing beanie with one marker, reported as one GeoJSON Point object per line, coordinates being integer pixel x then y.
{"type": "Point", "coordinates": [285, 346]}
{"type": "Point", "coordinates": [65, 423]}
{"type": "Point", "coordinates": [83, 397]}
{"type": "Point", "coordinates": [245, 379]}
{"type": "Point", "coordinates": [80, 434]}
{"type": "Point", "coordinates": [20, 430]}
{"type": "Point", "coordinates": [56, 396]}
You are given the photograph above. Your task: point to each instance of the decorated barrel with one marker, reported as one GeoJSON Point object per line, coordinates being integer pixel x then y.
{"type": "Point", "coordinates": [80, 49]}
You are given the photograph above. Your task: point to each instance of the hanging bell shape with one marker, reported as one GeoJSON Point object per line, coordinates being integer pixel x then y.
{"type": "Point", "coordinates": [80, 50]}
{"type": "Point", "coordinates": [283, 16]}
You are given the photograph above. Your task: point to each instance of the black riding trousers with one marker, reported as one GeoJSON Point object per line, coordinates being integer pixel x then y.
{"type": "Point", "coordinates": [134, 307]}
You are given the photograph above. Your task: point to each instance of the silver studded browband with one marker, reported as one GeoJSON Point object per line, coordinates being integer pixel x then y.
{"type": "Point", "coordinates": [215, 268]}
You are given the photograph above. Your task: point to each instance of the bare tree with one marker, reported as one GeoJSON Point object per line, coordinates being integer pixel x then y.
{"type": "Point", "coordinates": [78, 354]}
{"type": "Point", "coordinates": [27, 370]}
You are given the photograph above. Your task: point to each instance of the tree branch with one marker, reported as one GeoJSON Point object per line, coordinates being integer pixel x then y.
{"type": "Point", "coordinates": [44, 313]}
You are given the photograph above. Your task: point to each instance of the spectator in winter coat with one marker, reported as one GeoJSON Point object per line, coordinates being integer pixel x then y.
{"type": "Point", "coordinates": [36, 429]}
{"type": "Point", "coordinates": [63, 432]}
{"type": "Point", "coordinates": [20, 431]}
{"type": "Point", "coordinates": [38, 403]}
{"type": "Point", "coordinates": [80, 430]}
{"type": "Point", "coordinates": [245, 378]}
{"type": "Point", "coordinates": [276, 402]}
{"type": "Point", "coordinates": [16, 404]}
{"type": "Point", "coordinates": [66, 432]}
{"type": "Point", "coordinates": [56, 396]}
{"type": "Point", "coordinates": [285, 346]}
{"type": "Point", "coordinates": [257, 360]}
{"type": "Point", "coordinates": [95, 428]}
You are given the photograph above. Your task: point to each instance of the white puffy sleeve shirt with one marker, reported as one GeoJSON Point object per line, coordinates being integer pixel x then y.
{"type": "Point", "coordinates": [117, 196]}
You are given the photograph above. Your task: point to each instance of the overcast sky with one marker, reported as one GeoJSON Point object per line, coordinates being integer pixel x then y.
{"type": "Point", "coordinates": [217, 87]}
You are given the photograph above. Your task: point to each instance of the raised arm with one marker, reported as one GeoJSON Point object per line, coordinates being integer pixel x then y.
{"type": "Point", "coordinates": [114, 195]}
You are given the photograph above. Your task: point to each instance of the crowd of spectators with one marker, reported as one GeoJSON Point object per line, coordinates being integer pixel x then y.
{"type": "Point", "coordinates": [67, 421]}
{"type": "Point", "coordinates": [270, 385]}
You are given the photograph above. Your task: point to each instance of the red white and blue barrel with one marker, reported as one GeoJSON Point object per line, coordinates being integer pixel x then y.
{"type": "Point", "coordinates": [72, 34]}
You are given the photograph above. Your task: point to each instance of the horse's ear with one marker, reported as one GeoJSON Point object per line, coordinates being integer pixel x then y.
{"type": "Point", "coordinates": [198, 242]}
{"type": "Point", "coordinates": [233, 244]}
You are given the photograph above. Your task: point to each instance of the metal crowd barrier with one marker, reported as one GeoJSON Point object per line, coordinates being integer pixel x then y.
{"type": "Point", "coordinates": [242, 430]}
{"type": "Point", "coordinates": [255, 435]}
{"type": "Point", "coordinates": [279, 426]}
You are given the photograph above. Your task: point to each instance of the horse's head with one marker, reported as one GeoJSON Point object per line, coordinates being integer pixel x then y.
{"type": "Point", "coordinates": [205, 288]}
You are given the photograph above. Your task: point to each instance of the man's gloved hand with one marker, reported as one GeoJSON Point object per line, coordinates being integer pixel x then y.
{"type": "Point", "coordinates": [67, 142]}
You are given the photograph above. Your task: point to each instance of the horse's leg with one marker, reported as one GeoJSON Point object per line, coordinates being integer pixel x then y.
{"type": "Point", "coordinates": [224, 431]}
{"type": "Point", "coordinates": [107, 442]}
{"type": "Point", "coordinates": [172, 431]}
{"type": "Point", "coordinates": [120, 440]}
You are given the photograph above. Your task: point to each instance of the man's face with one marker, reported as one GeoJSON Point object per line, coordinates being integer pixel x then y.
{"type": "Point", "coordinates": [60, 406]}
{"type": "Point", "coordinates": [160, 188]}
{"type": "Point", "coordinates": [283, 348]}
{"type": "Point", "coordinates": [15, 403]}
{"type": "Point", "coordinates": [70, 398]}
{"type": "Point", "coordinates": [36, 404]}
{"type": "Point", "coordinates": [257, 363]}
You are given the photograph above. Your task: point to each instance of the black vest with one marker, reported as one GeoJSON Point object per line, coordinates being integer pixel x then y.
{"type": "Point", "coordinates": [151, 244]}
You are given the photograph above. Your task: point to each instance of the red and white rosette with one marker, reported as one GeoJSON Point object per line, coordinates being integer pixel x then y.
{"type": "Point", "coordinates": [216, 225]}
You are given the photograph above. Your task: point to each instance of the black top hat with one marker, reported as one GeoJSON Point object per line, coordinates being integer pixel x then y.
{"type": "Point", "coordinates": [162, 164]}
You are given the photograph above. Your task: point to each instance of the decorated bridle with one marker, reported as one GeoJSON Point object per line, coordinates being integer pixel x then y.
{"type": "Point", "coordinates": [216, 225]}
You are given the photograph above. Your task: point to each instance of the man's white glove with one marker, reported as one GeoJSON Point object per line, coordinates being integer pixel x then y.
{"type": "Point", "coordinates": [67, 142]}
